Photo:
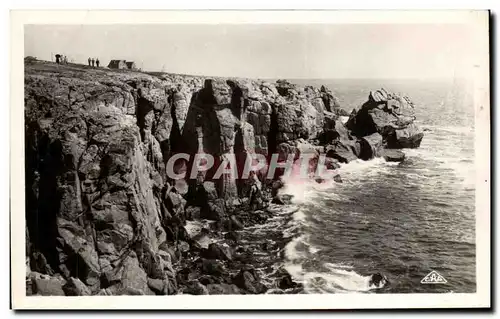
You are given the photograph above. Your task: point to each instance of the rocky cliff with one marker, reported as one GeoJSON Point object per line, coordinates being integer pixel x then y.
{"type": "Point", "coordinates": [104, 217]}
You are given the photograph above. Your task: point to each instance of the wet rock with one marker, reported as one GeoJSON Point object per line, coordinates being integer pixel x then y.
{"type": "Point", "coordinates": [282, 199]}
{"type": "Point", "coordinates": [342, 150]}
{"type": "Point", "coordinates": [319, 180]}
{"type": "Point", "coordinates": [370, 146]}
{"type": "Point", "coordinates": [378, 280]}
{"type": "Point", "coordinates": [331, 163]}
{"type": "Point", "coordinates": [337, 178]}
{"type": "Point", "coordinates": [276, 186]}
{"type": "Point", "coordinates": [393, 155]}
{"type": "Point", "coordinates": [286, 282]}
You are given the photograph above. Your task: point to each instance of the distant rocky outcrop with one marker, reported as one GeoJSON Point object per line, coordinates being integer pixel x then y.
{"type": "Point", "coordinates": [390, 115]}
{"type": "Point", "coordinates": [103, 216]}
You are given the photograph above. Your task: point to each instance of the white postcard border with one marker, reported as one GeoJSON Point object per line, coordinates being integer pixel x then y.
{"type": "Point", "coordinates": [477, 19]}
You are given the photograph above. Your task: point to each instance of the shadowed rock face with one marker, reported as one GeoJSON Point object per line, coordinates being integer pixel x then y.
{"type": "Point", "coordinates": [102, 215]}
{"type": "Point", "coordinates": [95, 170]}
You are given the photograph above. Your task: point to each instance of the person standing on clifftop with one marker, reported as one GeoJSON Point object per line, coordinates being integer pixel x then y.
{"type": "Point", "coordinates": [89, 61]}
{"type": "Point", "coordinates": [97, 62]}
{"type": "Point", "coordinates": [93, 61]}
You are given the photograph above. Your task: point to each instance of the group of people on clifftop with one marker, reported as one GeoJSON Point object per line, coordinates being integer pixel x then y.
{"type": "Point", "coordinates": [93, 62]}
{"type": "Point", "coordinates": [61, 59]}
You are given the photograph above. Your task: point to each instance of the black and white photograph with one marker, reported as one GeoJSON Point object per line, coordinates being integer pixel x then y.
{"type": "Point", "coordinates": [334, 159]}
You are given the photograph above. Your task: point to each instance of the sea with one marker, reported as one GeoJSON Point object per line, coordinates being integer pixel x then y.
{"type": "Point", "coordinates": [402, 220]}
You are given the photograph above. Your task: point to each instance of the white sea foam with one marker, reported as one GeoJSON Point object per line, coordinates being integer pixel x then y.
{"type": "Point", "coordinates": [335, 278]}
{"type": "Point", "coordinates": [449, 156]}
{"type": "Point", "coordinates": [293, 250]}
{"type": "Point", "coordinates": [336, 281]}
{"type": "Point", "coordinates": [299, 216]}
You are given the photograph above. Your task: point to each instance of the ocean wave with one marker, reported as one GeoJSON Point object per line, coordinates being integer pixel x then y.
{"type": "Point", "coordinates": [305, 191]}
{"type": "Point", "coordinates": [336, 280]}
{"type": "Point", "coordinates": [332, 278]}
{"type": "Point", "coordinates": [438, 164]}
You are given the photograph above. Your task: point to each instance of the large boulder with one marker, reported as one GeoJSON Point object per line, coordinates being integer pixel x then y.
{"type": "Point", "coordinates": [408, 137]}
{"type": "Point", "coordinates": [298, 119]}
{"type": "Point", "coordinates": [391, 155]}
{"type": "Point", "coordinates": [342, 150]}
{"type": "Point", "coordinates": [390, 115]}
{"type": "Point", "coordinates": [370, 146]}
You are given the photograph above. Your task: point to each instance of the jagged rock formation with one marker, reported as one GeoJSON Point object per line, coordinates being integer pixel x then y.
{"type": "Point", "coordinates": [390, 115]}
{"type": "Point", "coordinates": [103, 217]}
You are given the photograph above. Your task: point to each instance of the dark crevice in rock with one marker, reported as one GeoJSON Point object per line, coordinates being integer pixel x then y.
{"type": "Point", "coordinates": [240, 156]}
{"type": "Point", "coordinates": [44, 162]}
{"type": "Point", "coordinates": [272, 135]}
{"type": "Point", "coordinates": [362, 124]}
{"type": "Point", "coordinates": [175, 138]}
{"type": "Point", "coordinates": [238, 105]}
{"type": "Point", "coordinates": [143, 108]}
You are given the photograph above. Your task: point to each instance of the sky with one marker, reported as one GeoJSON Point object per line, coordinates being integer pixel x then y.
{"type": "Point", "coordinates": [307, 51]}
